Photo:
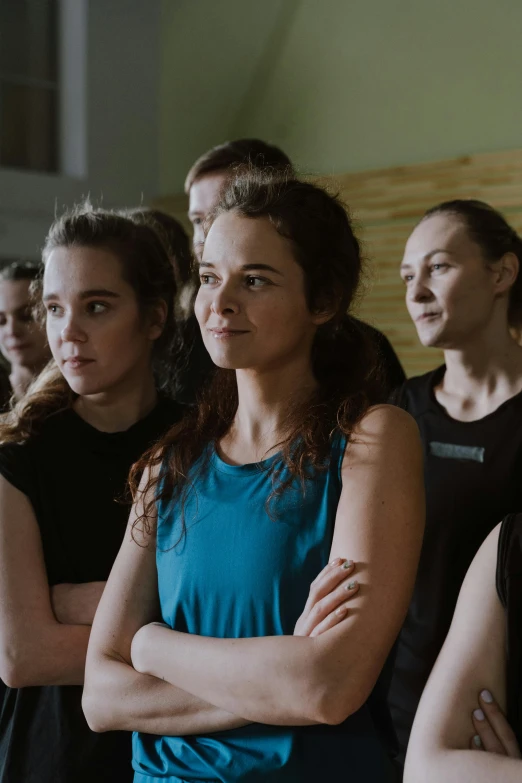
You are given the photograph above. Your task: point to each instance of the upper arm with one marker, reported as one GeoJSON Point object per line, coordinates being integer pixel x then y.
{"type": "Point", "coordinates": [130, 599]}
{"type": "Point", "coordinates": [379, 525]}
{"type": "Point", "coordinates": [472, 658]}
{"type": "Point", "coordinates": [24, 590]}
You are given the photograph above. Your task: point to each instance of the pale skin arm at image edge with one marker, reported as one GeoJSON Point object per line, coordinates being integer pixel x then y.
{"type": "Point", "coordinates": [473, 658]}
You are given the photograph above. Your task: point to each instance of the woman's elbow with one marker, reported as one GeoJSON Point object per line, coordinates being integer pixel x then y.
{"type": "Point", "coordinates": [15, 669]}
{"type": "Point", "coordinates": [333, 704]}
{"type": "Point", "coordinates": [96, 710]}
{"type": "Point", "coordinates": [11, 673]}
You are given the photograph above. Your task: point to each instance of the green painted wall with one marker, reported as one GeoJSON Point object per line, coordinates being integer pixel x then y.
{"type": "Point", "coordinates": [363, 84]}
{"type": "Point", "coordinates": [341, 85]}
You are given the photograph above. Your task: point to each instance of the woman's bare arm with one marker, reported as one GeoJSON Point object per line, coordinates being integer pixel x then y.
{"type": "Point", "coordinates": [116, 696]}
{"type": "Point", "coordinates": [323, 679]}
{"type": "Point", "coordinates": [473, 659]}
{"type": "Point", "coordinates": [35, 649]}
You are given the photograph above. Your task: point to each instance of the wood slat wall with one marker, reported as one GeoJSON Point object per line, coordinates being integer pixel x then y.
{"type": "Point", "coordinates": [386, 205]}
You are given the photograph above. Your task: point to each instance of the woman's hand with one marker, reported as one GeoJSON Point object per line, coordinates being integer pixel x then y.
{"type": "Point", "coordinates": [326, 605]}
{"type": "Point", "coordinates": [76, 604]}
{"type": "Point", "coordinates": [494, 734]}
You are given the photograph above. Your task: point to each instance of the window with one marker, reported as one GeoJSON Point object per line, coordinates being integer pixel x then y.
{"type": "Point", "coordinates": [29, 85]}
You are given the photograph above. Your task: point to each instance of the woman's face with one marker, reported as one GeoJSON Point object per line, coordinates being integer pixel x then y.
{"type": "Point", "coordinates": [451, 293]}
{"type": "Point", "coordinates": [251, 304]}
{"type": "Point", "coordinates": [22, 340]}
{"type": "Point", "coordinates": [97, 334]}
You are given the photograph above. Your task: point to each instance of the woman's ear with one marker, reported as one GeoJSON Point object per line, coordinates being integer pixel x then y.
{"type": "Point", "coordinates": [325, 310]}
{"type": "Point", "coordinates": [507, 272]}
{"type": "Point", "coordinates": [322, 317]}
{"type": "Point", "coordinates": [157, 319]}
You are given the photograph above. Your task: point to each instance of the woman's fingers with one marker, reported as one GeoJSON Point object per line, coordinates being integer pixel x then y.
{"type": "Point", "coordinates": [337, 615]}
{"type": "Point", "coordinates": [494, 722]}
{"type": "Point", "coordinates": [328, 579]}
{"type": "Point", "coordinates": [485, 737]}
{"type": "Point", "coordinates": [328, 591]}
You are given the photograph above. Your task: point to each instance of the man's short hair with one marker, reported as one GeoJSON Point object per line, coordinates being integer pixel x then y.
{"type": "Point", "coordinates": [238, 153]}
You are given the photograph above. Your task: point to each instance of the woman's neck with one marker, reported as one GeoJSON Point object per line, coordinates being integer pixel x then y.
{"type": "Point", "coordinates": [118, 409]}
{"type": "Point", "coordinates": [264, 400]}
{"type": "Point", "coordinates": [481, 375]}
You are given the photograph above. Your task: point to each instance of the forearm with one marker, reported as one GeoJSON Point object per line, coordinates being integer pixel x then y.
{"type": "Point", "coordinates": [50, 655]}
{"type": "Point", "coordinates": [117, 697]}
{"type": "Point", "coordinates": [268, 680]}
{"type": "Point", "coordinates": [463, 766]}
{"type": "Point", "coordinates": [76, 604]}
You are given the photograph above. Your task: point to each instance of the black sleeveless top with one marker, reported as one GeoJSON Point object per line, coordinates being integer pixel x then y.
{"type": "Point", "coordinates": [73, 474]}
{"type": "Point", "coordinates": [473, 478]}
{"type": "Point", "coordinates": [509, 588]}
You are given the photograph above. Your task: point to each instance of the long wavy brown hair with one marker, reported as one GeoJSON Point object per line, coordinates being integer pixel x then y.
{"type": "Point", "coordinates": [343, 358]}
{"type": "Point", "coordinates": [147, 268]}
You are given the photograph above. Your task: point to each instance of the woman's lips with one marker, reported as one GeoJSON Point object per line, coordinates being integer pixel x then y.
{"type": "Point", "coordinates": [427, 316]}
{"type": "Point", "coordinates": [76, 362]}
{"type": "Point", "coordinates": [225, 334]}
{"type": "Point", "coordinates": [19, 347]}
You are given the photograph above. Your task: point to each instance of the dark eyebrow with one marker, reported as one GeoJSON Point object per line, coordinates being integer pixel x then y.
{"type": "Point", "coordinates": [246, 267]}
{"type": "Point", "coordinates": [102, 292]}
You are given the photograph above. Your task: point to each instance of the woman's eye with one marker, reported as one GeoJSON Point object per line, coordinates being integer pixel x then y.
{"type": "Point", "coordinates": [53, 309]}
{"type": "Point", "coordinates": [256, 282]}
{"type": "Point", "coordinates": [438, 267]}
{"type": "Point", "coordinates": [407, 278]}
{"type": "Point", "coordinates": [97, 307]}
{"type": "Point", "coordinates": [206, 279]}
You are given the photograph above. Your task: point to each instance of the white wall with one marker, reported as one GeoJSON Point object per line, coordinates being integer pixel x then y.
{"type": "Point", "coordinates": [123, 39]}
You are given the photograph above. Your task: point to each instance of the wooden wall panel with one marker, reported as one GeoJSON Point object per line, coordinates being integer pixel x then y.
{"type": "Point", "coordinates": [386, 205]}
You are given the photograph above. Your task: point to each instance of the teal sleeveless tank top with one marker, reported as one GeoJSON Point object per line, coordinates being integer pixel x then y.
{"type": "Point", "coordinates": [244, 569]}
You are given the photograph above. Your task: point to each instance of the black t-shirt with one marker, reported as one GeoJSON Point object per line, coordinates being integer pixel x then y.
{"type": "Point", "coordinates": [73, 474]}
{"type": "Point", "coordinates": [509, 588]}
{"type": "Point", "coordinates": [473, 478]}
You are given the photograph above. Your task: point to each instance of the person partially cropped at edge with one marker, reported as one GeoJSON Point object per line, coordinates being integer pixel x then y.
{"type": "Point", "coordinates": [23, 342]}
{"type": "Point", "coordinates": [469, 722]}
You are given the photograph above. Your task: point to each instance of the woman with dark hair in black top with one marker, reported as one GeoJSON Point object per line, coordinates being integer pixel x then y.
{"type": "Point", "coordinates": [469, 723]}
{"type": "Point", "coordinates": [66, 451]}
{"type": "Point", "coordinates": [464, 293]}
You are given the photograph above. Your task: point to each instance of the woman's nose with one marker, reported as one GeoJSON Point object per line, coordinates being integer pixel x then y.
{"type": "Point", "coordinates": [225, 301]}
{"type": "Point", "coordinates": [71, 331]}
{"type": "Point", "coordinates": [418, 291]}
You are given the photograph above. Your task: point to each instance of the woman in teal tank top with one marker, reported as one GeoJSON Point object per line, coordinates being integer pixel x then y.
{"type": "Point", "coordinates": [209, 642]}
